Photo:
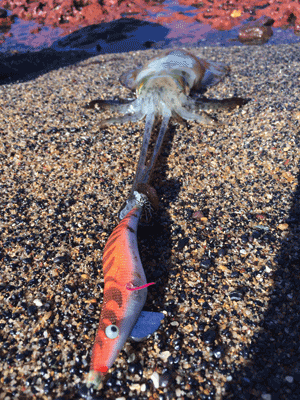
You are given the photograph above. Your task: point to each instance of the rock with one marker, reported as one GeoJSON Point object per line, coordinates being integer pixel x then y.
{"type": "Point", "coordinates": [155, 379]}
{"type": "Point", "coordinates": [256, 32]}
{"type": "Point", "coordinates": [3, 13]}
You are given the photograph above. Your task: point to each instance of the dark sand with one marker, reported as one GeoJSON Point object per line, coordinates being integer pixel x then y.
{"type": "Point", "coordinates": [223, 246]}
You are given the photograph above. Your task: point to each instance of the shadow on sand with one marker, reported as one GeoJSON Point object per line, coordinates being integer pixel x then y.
{"type": "Point", "coordinates": [273, 369]}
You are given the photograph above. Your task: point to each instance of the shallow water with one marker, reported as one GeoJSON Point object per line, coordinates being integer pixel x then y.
{"type": "Point", "coordinates": [141, 36]}
{"type": "Point", "coordinates": [22, 40]}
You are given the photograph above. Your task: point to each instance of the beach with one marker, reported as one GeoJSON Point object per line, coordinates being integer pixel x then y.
{"type": "Point", "coordinates": [223, 247]}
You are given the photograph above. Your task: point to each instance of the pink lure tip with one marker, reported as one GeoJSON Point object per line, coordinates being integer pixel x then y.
{"type": "Point", "coordinates": [131, 286]}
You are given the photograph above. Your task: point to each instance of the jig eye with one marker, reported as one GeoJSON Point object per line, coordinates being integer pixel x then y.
{"type": "Point", "coordinates": [112, 331]}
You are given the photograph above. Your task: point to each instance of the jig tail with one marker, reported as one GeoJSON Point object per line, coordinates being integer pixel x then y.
{"type": "Point", "coordinates": [94, 379]}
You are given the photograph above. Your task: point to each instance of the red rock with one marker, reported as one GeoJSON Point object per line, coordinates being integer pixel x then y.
{"type": "Point", "coordinates": [222, 14]}
{"type": "Point", "coordinates": [223, 24]}
{"type": "Point", "coordinates": [281, 13]}
{"type": "Point", "coordinates": [5, 23]}
{"type": "Point", "coordinates": [92, 13]}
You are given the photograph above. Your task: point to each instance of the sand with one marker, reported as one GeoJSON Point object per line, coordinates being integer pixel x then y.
{"type": "Point", "coordinates": [223, 247]}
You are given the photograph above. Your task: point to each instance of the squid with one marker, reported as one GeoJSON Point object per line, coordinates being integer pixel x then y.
{"type": "Point", "coordinates": [125, 292]}
{"type": "Point", "coordinates": [167, 87]}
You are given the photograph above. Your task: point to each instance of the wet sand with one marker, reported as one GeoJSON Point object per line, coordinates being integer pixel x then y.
{"type": "Point", "coordinates": [223, 247]}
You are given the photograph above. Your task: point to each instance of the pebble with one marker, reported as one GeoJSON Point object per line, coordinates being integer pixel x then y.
{"type": "Point", "coordinates": [266, 396]}
{"type": "Point", "coordinates": [289, 379]}
{"type": "Point", "coordinates": [209, 336]}
{"type": "Point", "coordinates": [164, 355]}
{"type": "Point", "coordinates": [237, 295]}
{"type": "Point", "coordinates": [283, 227]}
{"type": "Point", "coordinates": [135, 387]}
{"type": "Point", "coordinates": [38, 302]}
{"type": "Point", "coordinates": [155, 379]}
{"type": "Point", "coordinates": [218, 352]}
{"type": "Point", "coordinates": [131, 358]}
{"type": "Point", "coordinates": [179, 392]}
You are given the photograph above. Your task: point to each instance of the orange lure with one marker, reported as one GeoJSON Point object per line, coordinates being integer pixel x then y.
{"type": "Point", "coordinates": [125, 292]}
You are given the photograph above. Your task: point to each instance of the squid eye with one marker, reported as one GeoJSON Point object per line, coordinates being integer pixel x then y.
{"type": "Point", "coordinates": [112, 331]}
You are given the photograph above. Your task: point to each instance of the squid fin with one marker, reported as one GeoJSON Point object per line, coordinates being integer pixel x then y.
{"type": "Point", "coordinates": [214, 73]}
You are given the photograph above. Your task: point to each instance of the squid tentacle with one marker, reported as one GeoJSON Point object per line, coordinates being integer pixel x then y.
{"type": "Point", "coordinates": [144, 150]}
{"type": "Point", "coordinates": [164, 126]}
